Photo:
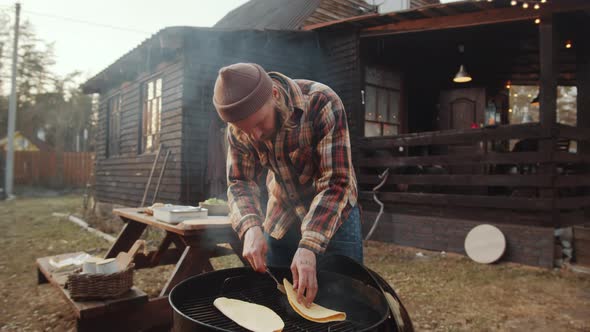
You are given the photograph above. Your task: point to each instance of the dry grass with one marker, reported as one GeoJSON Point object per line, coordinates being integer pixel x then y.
{"type": "Point", "coordinates": [451, 293]}
{"type": "Point", "coordinates": [441, 292]}
{"type": "Point", "coordinates": [29, 231]}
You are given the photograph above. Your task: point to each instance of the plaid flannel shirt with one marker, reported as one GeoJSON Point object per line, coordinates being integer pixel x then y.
{"type": "Point", "coordinates": [311, 182]}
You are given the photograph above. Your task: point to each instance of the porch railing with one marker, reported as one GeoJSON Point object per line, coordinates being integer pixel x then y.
{"type": "Point", "coordinates": [526, 174]}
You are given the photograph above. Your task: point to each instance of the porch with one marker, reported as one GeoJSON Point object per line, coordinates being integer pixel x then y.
{"type": "Point", "coordinates": [443, 111]}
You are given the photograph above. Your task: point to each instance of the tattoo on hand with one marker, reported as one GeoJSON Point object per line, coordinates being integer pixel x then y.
{"type": "Point", "coordinates": [307, 262]}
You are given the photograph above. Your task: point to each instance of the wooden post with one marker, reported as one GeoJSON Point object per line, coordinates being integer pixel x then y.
{"type": "Point", "coordinates": [548, 105]}
{"type": "Point", "coordinates": [583, 84]}
{"type": "Point", "coordinates": [548, 72]}
{"type": "Point", "coordinates": [583, 106]}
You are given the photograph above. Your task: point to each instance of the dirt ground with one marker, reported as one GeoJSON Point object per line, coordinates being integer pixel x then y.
{"type": "Point", "coordinates": [442, 292]}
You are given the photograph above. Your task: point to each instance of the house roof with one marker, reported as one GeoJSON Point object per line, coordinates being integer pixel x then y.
{"type": "Point", "coordinates": [147, 53]}
{"type": "Point", "coordinates": [39, 144]}
{"type": "Point", "coordinates": [269, 14]}
{"type": "Point", "coordinates": [290, 14]}
{"type": "Point", "coordinates": [165, 45]}
{"type": "Point", "coordinates": [435, 16]}
{"type": "Point", "coordinates": [278, 15]}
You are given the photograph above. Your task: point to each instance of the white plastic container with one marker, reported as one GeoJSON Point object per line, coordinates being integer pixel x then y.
{"type": "Point", "coordinates": [107, 266]}
{"type": "Point", "coordinates": [175, 214]}
{"type": "Point", "coordinates": [89, 265]}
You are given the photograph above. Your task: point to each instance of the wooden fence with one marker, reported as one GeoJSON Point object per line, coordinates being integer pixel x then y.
{"type": "Point", "coordinates": [66, 169]}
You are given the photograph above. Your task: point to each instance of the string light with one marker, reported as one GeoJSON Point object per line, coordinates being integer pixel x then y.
{"type": "Point", "coordinates": [536, 4]}
{"type": "Point", "coordinates": [568, 44]}
{"type": "Point", "coordinates": [508, 85]}
{"type": "Point", "coordinates": [537, 21]}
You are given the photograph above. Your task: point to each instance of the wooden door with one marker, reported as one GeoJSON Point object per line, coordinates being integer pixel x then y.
{"type": "Point", "coordinates": [462, 109]}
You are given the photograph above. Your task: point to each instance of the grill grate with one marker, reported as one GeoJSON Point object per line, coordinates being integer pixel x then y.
{"type": "Point", "coordinates": [264, 293]}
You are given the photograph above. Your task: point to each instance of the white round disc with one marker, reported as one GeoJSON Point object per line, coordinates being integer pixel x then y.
{"type": "Point", "coordinates": [485, 244]}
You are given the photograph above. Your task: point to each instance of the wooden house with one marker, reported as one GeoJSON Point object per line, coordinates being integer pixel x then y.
{"type": "Point", "coordinates": [458, 154]}
{"type": "Point", "coordinates": [25, 142]}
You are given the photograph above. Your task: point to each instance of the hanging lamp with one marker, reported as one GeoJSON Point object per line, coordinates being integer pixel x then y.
{"type": "Point", "coordinates": [462, 75]}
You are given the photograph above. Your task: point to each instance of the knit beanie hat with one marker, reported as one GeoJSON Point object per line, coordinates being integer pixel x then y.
{"type": "Point", "coordinates": [240, 90]}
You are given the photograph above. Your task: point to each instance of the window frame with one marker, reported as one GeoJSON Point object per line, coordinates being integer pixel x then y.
{"type": "Point", "coordinates": [147, 129]}
{"type": "Point", "coordinates": [519, 109]}
{"type": "Point", "coordinates": [388, 122]}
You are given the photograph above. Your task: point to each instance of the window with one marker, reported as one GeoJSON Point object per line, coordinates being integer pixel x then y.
{"type": "Point", "coordinates": [113, 126]}
{"type": "Point", "coordinates": [382, 111]}
{"type": "Point", "coordinates": [152, 115]}
{"type": "Point", "coordinates": [524, 110]}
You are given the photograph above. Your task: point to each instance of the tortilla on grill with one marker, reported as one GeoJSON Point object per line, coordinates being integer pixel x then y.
{"type": "Point", "coordinates": [315, 313]}
{"type": "Point", "coordinates": [251, 316]}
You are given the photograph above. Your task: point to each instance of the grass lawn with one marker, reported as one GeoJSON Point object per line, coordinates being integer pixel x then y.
{"type": "Point", "coordinates": [441, 292]}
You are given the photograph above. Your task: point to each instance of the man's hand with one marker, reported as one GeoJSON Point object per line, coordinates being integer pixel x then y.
{"type": "Point", "coordinates": [305, 280]}
{"type": "Point", "coordinates": [255, 248]}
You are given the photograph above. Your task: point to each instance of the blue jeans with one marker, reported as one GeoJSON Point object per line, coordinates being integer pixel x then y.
{"type": "Point", "coordinates": [348, 241]}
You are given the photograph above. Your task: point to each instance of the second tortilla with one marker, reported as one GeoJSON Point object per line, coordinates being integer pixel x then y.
{"type": "Point", "coordinates": [251, 316]}
{"type": "Point", "coordinates": [315, 313]}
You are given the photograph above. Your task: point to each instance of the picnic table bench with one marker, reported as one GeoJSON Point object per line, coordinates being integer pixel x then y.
{"type": "Point", "coordinates": [135, 311]}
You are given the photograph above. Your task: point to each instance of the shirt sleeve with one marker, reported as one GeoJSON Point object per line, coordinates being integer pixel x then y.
{"type": "Point", "coordinates": [243, 192]}
{"type": "Point", "coordinates": [334, 185]}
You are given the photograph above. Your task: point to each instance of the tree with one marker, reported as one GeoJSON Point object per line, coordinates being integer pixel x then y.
{"type": "Point", "coordinates": [73, 115]}
{"type": "Point", "coordinates": [45, 100]}
{"type": "Point", "coordinates": [35, 58]}
{"type": "Point", "coordinates": [34, 75]}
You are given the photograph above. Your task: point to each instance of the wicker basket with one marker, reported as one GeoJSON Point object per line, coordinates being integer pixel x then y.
{"type": "Point", "coordinates": [99, 286]}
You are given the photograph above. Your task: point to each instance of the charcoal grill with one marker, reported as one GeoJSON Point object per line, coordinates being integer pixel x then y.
{"type": "Point", "coordinates": [357, 293]}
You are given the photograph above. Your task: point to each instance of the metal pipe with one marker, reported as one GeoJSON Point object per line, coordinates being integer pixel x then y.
{"type": "Point", "coordinates": [9, 176]}
{"type": "Point", "coordinates": [383, 176]}
{"type": "Point", "coordinates": [147, 186]}
{"type": "Point", "coordinates": [160, 177]}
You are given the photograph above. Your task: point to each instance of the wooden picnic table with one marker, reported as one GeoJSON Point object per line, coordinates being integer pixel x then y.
{"type": "Point", "coordinates": [193, 247]}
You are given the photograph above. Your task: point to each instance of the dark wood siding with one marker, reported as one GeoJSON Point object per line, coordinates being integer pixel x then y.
{"type": "Point", "coordinates": [293, 54]}
{"type": "Point", "coordinates": [341, 70]}
{"type": "Point", "coordinates": [122, 179]}
{"type": "Point", "coordinates": [531, 245]}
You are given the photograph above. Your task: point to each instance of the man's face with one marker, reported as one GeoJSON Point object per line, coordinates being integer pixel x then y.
{"type": "Point", "coordinates": [261, 125]}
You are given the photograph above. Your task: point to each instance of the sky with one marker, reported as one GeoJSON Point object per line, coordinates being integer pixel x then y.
{"type": "Point", "coordinates": [91, 35]}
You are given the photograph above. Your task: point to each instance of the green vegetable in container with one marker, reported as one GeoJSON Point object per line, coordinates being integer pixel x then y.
{"type": "Point", "coordinates": [215, 201]}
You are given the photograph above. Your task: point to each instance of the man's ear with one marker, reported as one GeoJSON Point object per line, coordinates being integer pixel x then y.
{"type": "Point", "coordinates": [275, 93]}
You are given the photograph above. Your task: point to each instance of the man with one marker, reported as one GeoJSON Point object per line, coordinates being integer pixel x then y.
{"type": "Point", "coordinates": [297, 129]}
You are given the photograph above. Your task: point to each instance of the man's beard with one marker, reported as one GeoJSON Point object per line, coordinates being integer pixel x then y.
{"type": "Point", "coordinates": [279, 113]}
